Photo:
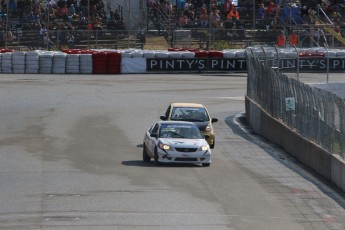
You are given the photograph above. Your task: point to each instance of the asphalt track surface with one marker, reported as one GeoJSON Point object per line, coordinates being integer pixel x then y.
{"type": "Point", "coordinates": [71, 159]}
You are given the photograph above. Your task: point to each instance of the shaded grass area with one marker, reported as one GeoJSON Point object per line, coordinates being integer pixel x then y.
{"type": "Point", "coordinates": [156, 43]}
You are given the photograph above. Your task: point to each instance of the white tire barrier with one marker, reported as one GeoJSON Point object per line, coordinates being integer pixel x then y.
{"type": "Point", "coordinates": [46, 62]}
{"type": "Point", "coordinates": [32, 64]}
{"type": "Point", "coordinates": [6, 62]}
{"type": "Point", "coordinates": [72, 64]}
{"type": "Point", "coordinates": [59, 63]}
{"type": "Point", "coordinates": [85, 63]}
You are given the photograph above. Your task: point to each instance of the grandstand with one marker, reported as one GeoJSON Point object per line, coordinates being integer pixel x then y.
{"type": "Point", "coordinates": [125, 24]}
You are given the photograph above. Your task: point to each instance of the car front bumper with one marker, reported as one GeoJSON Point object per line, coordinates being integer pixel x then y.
{"type": "Point", "coordinates": [182, 157]}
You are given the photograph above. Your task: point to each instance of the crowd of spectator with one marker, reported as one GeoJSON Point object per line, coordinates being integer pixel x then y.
{"type": "Point", "coordinates": [270, 14]}
{"type": "Point", "coordinates": [68, 15]}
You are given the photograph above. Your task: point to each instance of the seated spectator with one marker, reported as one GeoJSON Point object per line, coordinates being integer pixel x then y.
{"type": "Point", "coordinates": [82, 23]}
{"type": "Point", "coordinates": [270, 10]}
{"type": "Point", "coordinates": [30, 17]}
{"type": "Point", "coordinates": [188, 5]}
{"type": "Point", "coordinates": [167, 6]}
{"type": "Point", "coordinates": [293, 39]}
{"type": "Point", "coordinates": [8, 36]}
{"type": "Point", "coordinates": [216, 21]}
{"type": "Point", "coordinates": [227, 7]}
{"type": "Point", "coordinates": [117, 15]}
{"type": "Point", "coordinates": [182, 20]}
{"type": "Point", "coordinates": [261, 12]}
{"type": "Point", "coordinates": [214, 5]}
{"type": "Point", "coordinates": [204, 19]}
{"type": "Point", "coordinates": [97, 24]}
{"type": "Point", "coordinates": [281, 39]}
{"type": "Point", "coordinates": [234, 14]}
{"type": "Point", "coordinates": [71, 9]}
{"type": "Point", "coordinates": [63, 13]}
{"type": "Point", "coordinates": [52, 4]}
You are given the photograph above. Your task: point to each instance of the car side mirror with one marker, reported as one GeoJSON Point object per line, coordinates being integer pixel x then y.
{"type": "Point", "coordinates": [154, 135]}
{"type": "Point", "coordinates": [214, 120]}
{"type": "Point", "coordinates": [163, 118]}
{"type": "Point", "coordinates": [206, 136]}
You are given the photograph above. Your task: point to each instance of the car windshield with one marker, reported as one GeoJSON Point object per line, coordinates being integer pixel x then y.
{"type": "Point", "coordinates": [189, 114]}
{"type": "Point", "coordinates": [179, 131]}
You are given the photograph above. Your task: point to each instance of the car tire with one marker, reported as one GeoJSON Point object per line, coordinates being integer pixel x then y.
{"type": "Point", "coordinates": [213, 144]}
{"type": "Point", "coordinates": [146, 158]}
{"type": "Point", "coordinates": [156, 158]}
{"type": "Point", "coordinates": [205, 164]}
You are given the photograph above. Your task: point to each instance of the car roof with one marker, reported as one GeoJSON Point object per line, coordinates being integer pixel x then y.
{"type": "Point", "coordinates": [177, 122]}
{"type": "Point", "coordinates": [194, 105]}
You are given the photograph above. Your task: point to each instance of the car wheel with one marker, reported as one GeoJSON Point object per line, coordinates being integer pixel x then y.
{"type": "Point", "coordinates": [156, 158]}
{"type": "Point", "coordinates": [146, 158]}
{"type": "Point", "coordinates": [205, 164]}
{"type": "Point", "coordinates": [213, 144]}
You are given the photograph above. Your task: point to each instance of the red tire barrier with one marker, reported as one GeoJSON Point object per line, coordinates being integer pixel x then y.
{"type": "Point", "coordinates": [201, 54]}
{"type": "Point", "coordinates": [215, 54]}
{"type": "Point", "coordinates": [99, 63]}
{"type": "Point", "coordinates": [114, 63]}
{"type": "Point", "coordinates": [6, 50]}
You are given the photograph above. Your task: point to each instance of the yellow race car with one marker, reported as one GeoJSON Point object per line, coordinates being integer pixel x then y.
{"type": "Point", "coordinates": [192, 112]}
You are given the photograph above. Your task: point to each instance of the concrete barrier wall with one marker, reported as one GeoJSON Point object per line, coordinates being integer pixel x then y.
{"type": "Point", "coordinates": [332, 167]}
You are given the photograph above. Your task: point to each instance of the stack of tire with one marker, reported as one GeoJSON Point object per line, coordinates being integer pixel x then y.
{"type": "Point", "coordinates": [114, 63]}
{"type": "Point", "coordinates": [59, 63]}
{"type": "Point", "coordinates": [215, 54]}
{"type": "Point", "coordinates": [18, 62]}
{"type": "Point", "coordinates": [6, 62]}
{"type": "Point", "coordinates": [73, 64]}
{"type": "Point", "coordinates": [85, 63]}
{"type": "Point", "coordinates": [32, 64]}
{"type": "Point", "coordinates": [46, 62]}
{"type": "Point", "coordinates": [99, 62]}
{"type": "Point", "coordinates": [201, 54]}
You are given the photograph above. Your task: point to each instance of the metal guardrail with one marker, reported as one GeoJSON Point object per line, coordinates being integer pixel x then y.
{"type": "Point", "coordinates": [315, 114]}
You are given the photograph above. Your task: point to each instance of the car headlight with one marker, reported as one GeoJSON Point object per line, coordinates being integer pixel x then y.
{"type": "Point", "coordinates": [165, 147]}
{"type": "Point", "coordinates": [208, 128]}
{"type": "Point", "coordinates": [205, 148]}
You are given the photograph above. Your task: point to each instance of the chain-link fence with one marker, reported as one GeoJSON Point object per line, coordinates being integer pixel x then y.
{"type": "Point", "coordinates": [145, 38]}
{"type": "Point", "coordinates": [315, 114]}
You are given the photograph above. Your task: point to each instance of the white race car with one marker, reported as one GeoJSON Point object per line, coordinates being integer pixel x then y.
{"type": "Point", "coordinates": [176, 142]}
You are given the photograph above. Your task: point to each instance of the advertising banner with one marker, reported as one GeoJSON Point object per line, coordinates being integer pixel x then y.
{"type": "Point", "coordinates": [197, 64]}
{"type": "Point", "coordinates": [239, 64]}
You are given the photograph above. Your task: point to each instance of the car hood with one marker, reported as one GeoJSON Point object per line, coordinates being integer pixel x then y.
{"type": "Point", "coordinates": [181, 142]}
{"type": "Point", "coordinates": [201, 125]}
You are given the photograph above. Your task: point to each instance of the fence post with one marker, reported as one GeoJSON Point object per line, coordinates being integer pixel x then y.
{"type": "Point", "coordinates": [326, 47]}
{"type": "Point", "coordinates": [297, 64]}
